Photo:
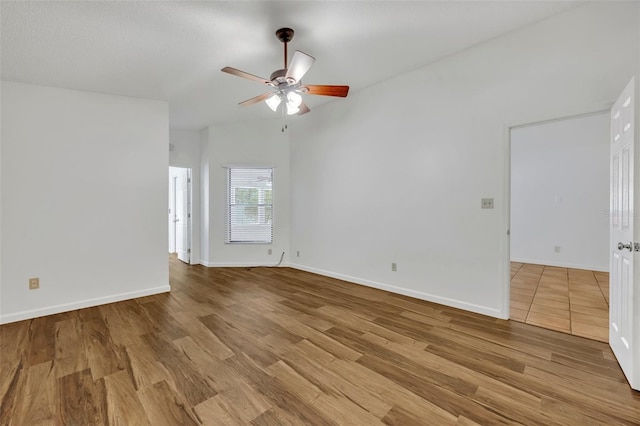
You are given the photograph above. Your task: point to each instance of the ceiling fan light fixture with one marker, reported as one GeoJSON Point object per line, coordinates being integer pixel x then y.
{"type": "Point", "coordinates": [273, 101]}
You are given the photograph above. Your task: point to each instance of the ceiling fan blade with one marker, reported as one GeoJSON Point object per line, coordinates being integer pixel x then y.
{"type": "Point", "coordinates": [324, 90]}
{"type": "Point", "coordinates": [246, 75]}
{"type": "Point", "coordinates": [256, 99]}
{"type": "Point", "coordinates": [299, 65]}
{"type": "Point", "coordinates": [303, 109]}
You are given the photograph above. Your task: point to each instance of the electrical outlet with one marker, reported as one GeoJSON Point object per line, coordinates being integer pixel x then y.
{"type": "Point", "coordinates": [557, 249]}
{"type": "Point", "coordinates": [487, 203]}
{"type": "Point", "coordinates": [394, 267]}
{"type": "Point", "coordinates": [269, 252]}
{"type": "Point", "coordinates": [298, 253]}
{"type": "Point", "coordinates": [34, 283]}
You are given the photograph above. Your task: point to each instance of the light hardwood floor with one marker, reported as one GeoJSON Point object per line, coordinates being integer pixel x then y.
{"type": "Point", "coordinates": [277, 346]}
{"type": "Point", "coordinates": [573, 301]}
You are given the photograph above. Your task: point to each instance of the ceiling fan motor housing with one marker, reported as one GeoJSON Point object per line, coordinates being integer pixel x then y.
{"type": "Point", "coordinates": [278, 78]}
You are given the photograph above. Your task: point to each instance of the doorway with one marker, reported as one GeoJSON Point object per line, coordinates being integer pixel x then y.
{"type": "Point", "coordinates": [559, 232]}
{"type": "Point", "coordinates": [179, 219]}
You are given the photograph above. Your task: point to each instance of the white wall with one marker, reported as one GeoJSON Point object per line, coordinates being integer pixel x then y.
{"type": "Point", "coordinates": [560, 193]}
{"type": "Point", "coordinates": [205, 198]}
{"type": "Point", "coordinates": [84, 198]}
{"type": "Point", "coordinates": [186, 154]}
{"type": "Point", "coordinates": [395, 172]}
{"type": "Point", "coordinates": [261, 143]}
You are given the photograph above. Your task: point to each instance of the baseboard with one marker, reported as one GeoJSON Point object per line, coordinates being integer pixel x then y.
{"type": "Point", "coordinates": [560, 264]}
{"type": "Point", "coordinates": [50, 310]}
{"type": "Point", "coordinates": [241, 264]}
{"type": "Point", "coordinates": [496, 313]}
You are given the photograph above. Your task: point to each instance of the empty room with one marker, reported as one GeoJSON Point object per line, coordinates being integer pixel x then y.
{"type": "Point", "coordinates": [296, 213]}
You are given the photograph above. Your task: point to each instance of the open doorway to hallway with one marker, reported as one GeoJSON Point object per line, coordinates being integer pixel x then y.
{"type": "Point", "coordinates": [180, 213]}
{"type": "Point", "coordinates": [574, 301]}
{"type": "Point", "coordinates": [560, 225]}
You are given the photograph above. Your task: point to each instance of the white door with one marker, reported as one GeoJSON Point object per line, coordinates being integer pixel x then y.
{"type": "Point", "coordinates": [622, 247]}
{"type": "Point", "coordinates": [172, 214]}
{"type": "Point", "coordinates": [182, 215]}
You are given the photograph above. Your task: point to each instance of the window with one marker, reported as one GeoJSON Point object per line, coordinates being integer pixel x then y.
{"type": "Point", "coordinates": [250, 205]}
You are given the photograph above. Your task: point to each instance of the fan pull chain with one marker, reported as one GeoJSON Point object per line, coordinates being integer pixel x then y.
{"type": "Point", "coordinates": [284, 115]}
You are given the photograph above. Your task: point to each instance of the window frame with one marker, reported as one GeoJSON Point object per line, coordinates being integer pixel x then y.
{"type": "Point", "coordinates": [261, 206]}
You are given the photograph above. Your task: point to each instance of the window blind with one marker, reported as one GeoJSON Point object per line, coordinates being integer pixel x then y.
{"type": "Point", "coordinates": [250, 205]}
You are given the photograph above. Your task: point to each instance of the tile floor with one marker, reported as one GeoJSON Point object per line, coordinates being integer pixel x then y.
{"type": "Point", "coordinates": [573, 301]}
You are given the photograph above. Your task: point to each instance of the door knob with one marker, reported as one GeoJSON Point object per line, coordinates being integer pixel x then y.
{"type": "Point", "coordinates": [622, 246]}
{"type": "Point", "coordinates": [178, 220]}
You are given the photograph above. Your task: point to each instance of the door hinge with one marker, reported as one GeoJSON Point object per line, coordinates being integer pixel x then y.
{"type": "Point", "coordinates": [188, 180]}
{"type": "Point", "coordinates": [636, 246]}
{"type": "Point", "coordinates": [188, 214]}
{"type": "Point", "coordinates": [189, 251]}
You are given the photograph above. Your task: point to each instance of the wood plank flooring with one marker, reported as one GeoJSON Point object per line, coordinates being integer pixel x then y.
{"type": "Point", "coordinates": [277, 346]}
{"type": "Point", "coordinates": [573, 301]}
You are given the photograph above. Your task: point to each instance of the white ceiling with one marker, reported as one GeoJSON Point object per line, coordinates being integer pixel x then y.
{"type": "Point", "coordinates": [174, 51]}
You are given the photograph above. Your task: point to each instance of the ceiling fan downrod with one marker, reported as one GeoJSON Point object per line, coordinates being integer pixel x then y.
{"type": "Point", "coordinates": [285, 35]}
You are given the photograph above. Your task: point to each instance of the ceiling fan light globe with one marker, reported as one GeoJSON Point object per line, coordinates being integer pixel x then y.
{"type": "Point", "coordinates": [294, 99]}
{"type": "Point", "coordinates": [273, 102]}
{"type": "Point", "coordinates": [292, 109]}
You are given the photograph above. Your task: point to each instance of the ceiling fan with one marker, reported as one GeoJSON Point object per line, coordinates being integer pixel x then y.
{"type": "Point", "coordinates": [286, 83]}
